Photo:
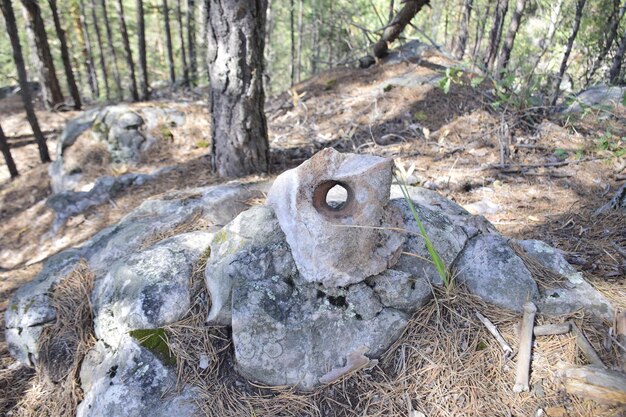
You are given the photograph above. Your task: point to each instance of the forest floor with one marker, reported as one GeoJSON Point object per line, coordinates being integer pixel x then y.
{"type": "Point", "coordinates": [532, 176]}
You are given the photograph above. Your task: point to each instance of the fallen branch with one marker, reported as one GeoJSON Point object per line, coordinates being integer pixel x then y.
{"type": "Point", "coordinates": [621, 337]}
{"type": "Point", "coordinates": [508, 351]}
{"type": "Point", "coordinates": [618, 200]}
{"type": "Point", "coordinates": [599, 384]}
{"type": "Point", "coordinates": [552, 329]}
{"type": "Point", "coordinates": [586, 348]}
{"type": "Point", "coordinates": [543, 165]}
{"type": "Point", "coordinates": [397, 25]}
{"type": "Point", "coordinates": [525, 346]}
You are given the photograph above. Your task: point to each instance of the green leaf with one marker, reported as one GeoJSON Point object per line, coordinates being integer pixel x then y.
{"type": "Point", "coordinates": [155, 340]}
{"type": "Point", "coordinates": [477, 81]}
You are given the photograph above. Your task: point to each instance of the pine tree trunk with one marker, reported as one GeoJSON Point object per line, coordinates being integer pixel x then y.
{"type": "Point", "coordinates": [103, 65]}
{"type": "Point", "coordinates": [181, 38]}
{"type": "Point", "coordinates": [238, 126]}
{"type": "Point", "coordinates": [299, 67]}
{"type": "Point", "coordinates": [50, 82]}
{"type": "Point", "coordinates": [480, 32]}
{"type": "Point", "coordinates": [391, 11]}
{"type": "Point", "coordinates": [127, 51]}
{"type": "Point", "coordinates": [85, 44]}
{"type": "Point", "coordinates": [568, 50]}
{"type": "Point", "coordinates": [205, 36]}
{"type": "Point", "coordinates": [464, 30]}
{"type": "Point", "coordinates": [6, 152]}
{"type": "Point", "coordinates": [613, 29]}
{"type": "Point", "coordinates": [112, 51]}
{"type": "Point", "coordinates": [18, 58]}
{"type": "Point", "coordinates": [292, 66]}
{"type": "Point", "coordinates": [316, 36]}
{"type": "Point", "coordinates": [141, 47]}
{"type": "Point", "coordinates": [399, 22]}
{"type": "Point", "coordinates": [495, 34]}
{"type": "Point", "coordinates": [65, 56]}
{"type": "Point", "coordinates": [191, 41]}
{"type": "Point", "coordinates": [269, 52]}
{"type": "Point", "coordinates": [505, 54]}
{"type": "Point", "coordinates": [616, 67]}
{"type": "Point", "coordinates": [168, 42]}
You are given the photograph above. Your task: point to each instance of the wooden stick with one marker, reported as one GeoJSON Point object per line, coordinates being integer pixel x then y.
{"type": "Point", "coordinates": [620, 328]}
{"type": "Point", "coordinates": [525, 347]}
{"type": "Point", "coordinates": [552, 329]}
{"type": "Point", "coordinates": [586, 348]}
{"type": "Point", "coordinates": [599, 384]}
{"type": "Point", "coordinates": [508, 351]}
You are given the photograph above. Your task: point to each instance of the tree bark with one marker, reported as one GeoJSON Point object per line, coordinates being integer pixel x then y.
{"type": "Point", "coordinates": [85, 44]}
{"type": "Point", "coordinates": [239, 129]}
{"type": "Point", "coordinates": [205, 36]}
{"type": "Point", "coordinates": [168, 42]}
{"type": "Point", "coordinates": [568, 49]}
{"type": "Point", "coordinates": [480, 32]}
{"type": "Point", "coordinates": [613, 28]}
{"type": "Point", "coordinates": [50, 83]}
{"type": "Point", "coordinates": [103, 65]}
{"type": "Point", "coordinates": [495, 34]}
{"type": "Point", "coordinates": [127, 51]}
{"type": "Point", "coordinates": [292, 66]}
{"type": "Point", "coordinates": [18, 58]}
{"type": "Point", "coordinates": [463, 31]}
{"type": "Point", "coordinates": [6, 152]}
{"type": "Point", "coordinates": [395, 28]}
{"type": "Point", "coordinates": [191, 41]}
{"type": "Point", "coordinates": [181, 38]}
{"type": "Point", "coordinates": [65, 56]}
{"type": "Point", "coordinates": [112, 51]}
{"type": "Point", "coordinates": [141, 47]}
{"type": "Point", "coordinates": [299, 62]}
{"type": "Point", "coordinates": [505, 54]}
{"type": "Point", "coordinates": [616, 66]}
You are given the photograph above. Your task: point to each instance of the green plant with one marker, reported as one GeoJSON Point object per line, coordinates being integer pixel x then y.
{"type": "Point", "coordinates": [561, 154]}
{"type": "Point", "coordinates": [155, 340]}
{"type": "Point", "coordinates": [202, 144]}
{"type": "Point", "coordinates": [401, 175]}
{"type": "Point", "coordinates": [451, 76]}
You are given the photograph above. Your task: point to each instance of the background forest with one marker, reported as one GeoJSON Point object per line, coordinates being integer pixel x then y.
{"type": "Point", "coordinates": [525, 40]}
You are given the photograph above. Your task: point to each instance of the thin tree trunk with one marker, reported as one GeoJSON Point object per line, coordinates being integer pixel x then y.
{"type": "Point", "coordinates": [141, 47]}
{"type": "Point", "coordinates": [464, 30]}
{"type": "Point", "coordinates": [299, 67]}
{"type": "Point", "coordinates": [65, 56]}
{"type": "Point", "coordinates": [568, 50]}
{"type": "Point", "coordinates": [205, 36]}
{"type": "Point", "coordinates": [317, 44]}
{"type": "Point", "coordinates": [103, 65]}
{"type": "Point", "coordinates": [269, 57]}
{"type": "Point", "coordinates": [127, 51]}
{"type": "Point", "coordinates": [50, 82]}
{"type": "Point", "coordinates": [112, 51]}
{"type": "Point", "coordinates": [191, 41]}
{"type": "Point", "coordinates": [18, 58]}
{"type": "Point", "coordinates": [509, 41]}
{"type": "Point", "coordinates": [181, 37]}
{"type": "Point", "coordinates": [391, 11]}
{"type": "Point", "coordinates": [495, 34]}
{"type": "Point", "coordinates": [395, 28]}
{"type": "Point", "coordinates": [480, 33]}
{"type": "Point", "coordinates": [168, 42]}
{"type": "Point", "coordinates": [238, 125]}
{"type": "Point", "coordinates": [613, 28]}
{"type": "Point", "coordinates": [616, 67]}
{"type": "Point", "coordinates": [292, 66]}
{"type": "Point", "coordinates": [6, 152]}
{"type": "Point", "coordinates": [84, 41]}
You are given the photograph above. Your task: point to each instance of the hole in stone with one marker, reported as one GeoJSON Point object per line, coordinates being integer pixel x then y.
{"type": "Point", "coordinates": [358, 317]}
{"type": "Point", "coordinates": [334, 199]}
{"type": "Point", "coordinates": [337, 197]}
{"type": "Point", "coordinates": [555, 295]}
{"type": "Point", "coordinates": [413, 285]}
{"type": "Point", "coordinates": [112, 372]}
{"type": "Point", "coordinates": [338, 301]}
{"type": "Point", "coordinates": [320, 294]}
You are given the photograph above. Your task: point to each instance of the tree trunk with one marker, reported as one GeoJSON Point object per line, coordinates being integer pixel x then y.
{"type": "Point", "coordinates": [238, 125]}
{"type": "Point", "coordinates": [127, 51]}
{"type": "Point", "coordinates": [103, 65]}
{"type": "Point", "coordinates": [18, 58]}
{"type": "Point", "coordinates": [168, 42]}
{"type": "Point", "coordinates": [65, 56]}
{"type": "Point", "coordinates": [112, 51]}
{"type": "Point", "coordinates": [570, 42]}
{"type": "Point", "coordinates": [191, 41]}
{"type": "Point", "coordinates": [480, 32]}
{"type": "Point", "coordinates": [78, 16]}
{"type": "Point", "coordinates": [299, 62]}
{"type": "Point", "coordinates": [141, 46]}
{"type": "Point", "coordinates": [269, 53]}
{"type": "Point", "coordinates": [495, 34]}
{"type": "Point", "coordinates": [316, 36]}
{"type": "Point", "coordinates": [6, 152]}
{"type": "Point", "coordinates": [613, 28]}
{"type": "Point", "coordinates": [505, 54]}
{"type": "Point", "coordinates": [49, 81]}
{"type": "Point", "coordinates": [181, 38]}
{"type": "Point", "coordinates": [463, 31]}
{"type": "Point", "coordinates": [205, 36]}
{"type": "Point", "coordinates": [391, 11]}
{"type": "Point", "coordinates": [616, 67]}
{"type": "Point", "coordinates": [395, 28]}
{"type": "Point", "coordinates": [292, 66]}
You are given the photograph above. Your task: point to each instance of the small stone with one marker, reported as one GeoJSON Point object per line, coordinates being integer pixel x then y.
{"type": "Point", "coordinates": [364, 301]}
{"type": "Point", "coordinates": [401, 290]}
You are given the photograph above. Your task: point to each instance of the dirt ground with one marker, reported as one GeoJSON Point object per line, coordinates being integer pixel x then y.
{"type": "Point", "coordinates": [530, 175]}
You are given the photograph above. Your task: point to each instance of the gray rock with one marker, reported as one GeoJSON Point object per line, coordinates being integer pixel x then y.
{"type": "Point", "coordinates": [121, 128]}
{"type": "Point", "coordinates": [490, 269]}
{"type": "Point", "coordinates": [149, 289]}
{"type": "Point", "coordinates": [447, 238]}
{"type": "Point", "coordinates": [338, 245]}
{"type": "Point", "coordinates": [364, 301]}
{"type": "Point", "coordinates": [23, 344]}
{"type": "Point", "coordinates": [575, 294]}
{"type": "Point", "coordinates": [130, 381]}
{"type": "Point", "coordinates": [598, 95]}
{"type": "Point", "coordinates": [401, 290]}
